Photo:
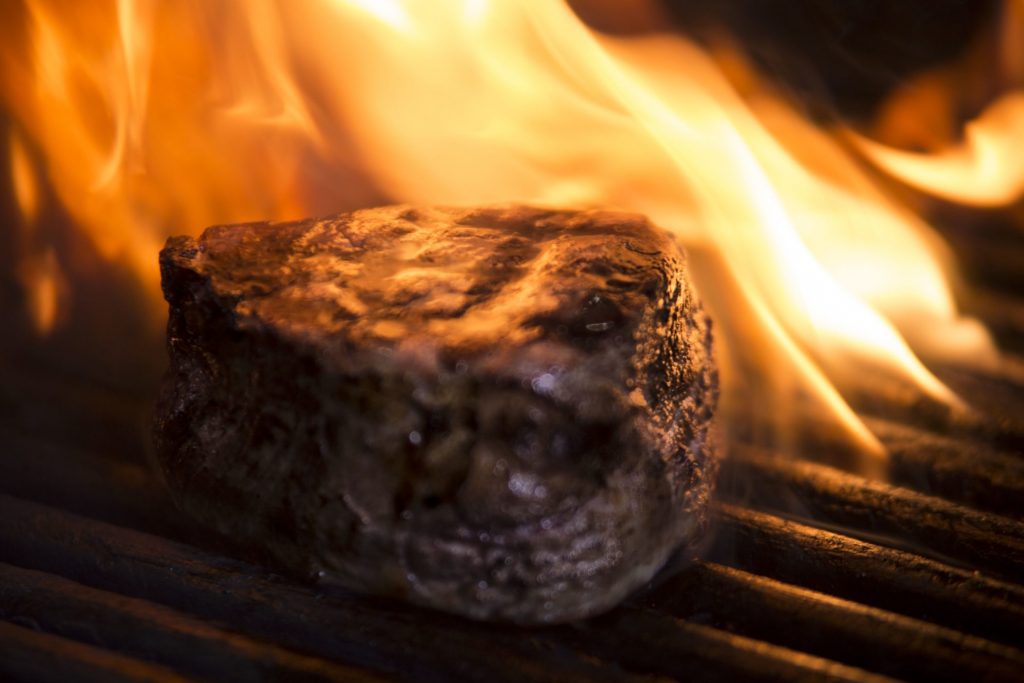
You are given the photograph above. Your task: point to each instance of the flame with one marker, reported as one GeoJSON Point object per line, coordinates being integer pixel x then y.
{"type": "Point", "coordinates": [987, 169]}
{"type": "Point", "coordinates": [23, 177]}
{"type": "Point", "coordinates": [154, 118]}
{"type": "Point", "coordinates": [980, 166]}
{"type": "Point", "coordinates": [38, 269]}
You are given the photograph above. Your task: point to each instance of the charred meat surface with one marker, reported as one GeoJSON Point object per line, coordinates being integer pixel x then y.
{"type": "Point", "coordinates": [500, 412]}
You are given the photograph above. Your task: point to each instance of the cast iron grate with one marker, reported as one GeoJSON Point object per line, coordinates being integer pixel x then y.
{"type": "Point", "coordinates": [817, 573]}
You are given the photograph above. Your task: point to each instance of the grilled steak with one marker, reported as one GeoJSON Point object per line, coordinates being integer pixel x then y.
{"type": "Point", "coordinates": [500, 412]}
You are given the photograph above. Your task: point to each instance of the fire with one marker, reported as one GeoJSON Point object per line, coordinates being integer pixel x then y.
{"type": "Point", "coordinates": [983, 169]}
{"type": "Point", "coordinates": [154, 118]}
{"type": "Point", "coordinates": [986, 170]}
{"type": "Point", "coordinates": [38, 270]}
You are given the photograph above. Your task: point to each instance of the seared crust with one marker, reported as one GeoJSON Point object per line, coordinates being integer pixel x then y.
{"type": "Point", "coordinates": [502, 412]}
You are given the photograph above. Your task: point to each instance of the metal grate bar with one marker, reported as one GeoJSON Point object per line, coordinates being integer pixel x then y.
{"type": "Point", "coordinates": [912, 520]}
{"type": "Point", "coordinates": [857, 602]}
{"type": "Point", "coordinates": [383, 637]}
{"type": "Point", "coordinates": [27, 654]}
{"type": "Point", "coordinates": [152, 632]}
{"type": "Point", "coordinates": [653, 642]}
{"type": "Point", "coordinates": [891, 579]}
{"type": "Point", "coordinates": [378, 635]}
{"type": "Point", "coordinates": [810, 621]}
{"type": "Point", "coordinates": [957, 468]}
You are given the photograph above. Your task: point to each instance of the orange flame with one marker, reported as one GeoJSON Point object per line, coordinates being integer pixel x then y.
{"type": "Point", "coordinates": [156, 118]}
{"type": "Point", "coordinates": [38, 269]}
{"type": "Point", "coordinates": [986, 168]}
{"type": "Point", "coordinates": [23, 177]}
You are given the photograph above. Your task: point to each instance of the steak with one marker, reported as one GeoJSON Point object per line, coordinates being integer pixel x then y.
{"type": "Point", "coordinates": [500, 412]}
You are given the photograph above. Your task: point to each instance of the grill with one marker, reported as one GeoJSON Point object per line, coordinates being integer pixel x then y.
{"type": "Point", "coordinates": [815, 572]}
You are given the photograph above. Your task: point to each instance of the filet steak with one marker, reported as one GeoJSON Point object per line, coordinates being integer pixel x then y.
{"type": "Point", "coordinates": [501, 412]}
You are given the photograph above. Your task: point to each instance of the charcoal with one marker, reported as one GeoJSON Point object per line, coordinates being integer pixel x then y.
{"type": "Point", "coordinates": [504, 412]}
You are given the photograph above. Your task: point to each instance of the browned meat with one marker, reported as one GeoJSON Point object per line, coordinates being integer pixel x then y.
{"type": "Point", "coordinates": [500, 412]}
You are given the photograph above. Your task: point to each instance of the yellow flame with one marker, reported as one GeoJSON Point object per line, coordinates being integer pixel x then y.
{"type": "Point", "coordinates": [129, 86]}
{"type": "Point", "coordinates": [156, 118]}
{"type": "Point", "coordinates": [390, 12]}
{"type": "Point", "coordinates": [979, 165]}
{"type": "Point", "coordinates": [986, 170]}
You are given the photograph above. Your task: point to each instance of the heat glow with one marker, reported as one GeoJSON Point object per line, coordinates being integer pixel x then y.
{"type": "Point", "coordinates": [153, 118]}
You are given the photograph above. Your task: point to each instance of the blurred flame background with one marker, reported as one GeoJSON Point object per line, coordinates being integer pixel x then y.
{"type": "Point", "coordinates": [132, 120]}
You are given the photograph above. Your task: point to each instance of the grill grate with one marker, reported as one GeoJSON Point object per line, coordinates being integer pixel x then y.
{"type": "Point", "coordinates": [815, 574]}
